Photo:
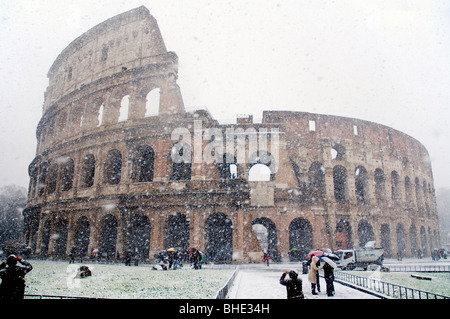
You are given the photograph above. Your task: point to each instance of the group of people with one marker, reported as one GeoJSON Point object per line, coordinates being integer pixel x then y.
{"type": "Point", "coordinates": [294, 283]}
{"type": "Point", "coordinates": [172, 258]}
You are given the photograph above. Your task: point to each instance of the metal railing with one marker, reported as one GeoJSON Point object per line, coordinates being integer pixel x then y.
{"type": "Point", "coordinates": [386, 288]}
{"type": "Point", "coordinates": [419, 268]}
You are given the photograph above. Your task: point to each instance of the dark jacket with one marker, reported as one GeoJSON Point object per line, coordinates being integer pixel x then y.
{"type": "Point", "coordinates": [13, 280]}
{"type": "Point", "coordinates": [293, 287]}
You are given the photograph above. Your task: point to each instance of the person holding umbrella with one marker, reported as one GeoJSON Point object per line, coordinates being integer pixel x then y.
{"type": "Point", "coordinates": [313, 275]}
{"type": "Point", "coordinates": [328, 270]}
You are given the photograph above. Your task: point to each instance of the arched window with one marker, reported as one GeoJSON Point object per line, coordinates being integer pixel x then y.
{"type": "Point", "coordinates": [152, 102]}
{"type": "Point", "coordinates": [113, 167]}
{"type": "Point", "coordinates": [67, 168]}
{"type": "Point", "coordinates": [340, 183]}
{"type": "Point", "coordinates": [316, 174]}
{"type": "Point", "coordinates": [124, 107]}
{"type": "Point", "coordinates": [361, 184]}
{"type": "Point", "coordinates": [88, 171]}
{"type": "Point", "coordinates": [143, 162]}
{"type": "Point", "coordinates": [52, 178]}
{"type": "Point", "coordinates": [259, 173]}
{"type": "Point", "coordinates": [365, 232]}
{"type": "Point", "coordinates": [180, 154]}
{"type": "Point", "coordinates": [418, 194]}
{"type": "Point", "coordinates": [228, 168]}
{"type": "Point", "coordinates": [177, 232]}
{"type": "Point", "coordinates": [395, 178]}
{"type": "Point", "coordinates": [380, 188]}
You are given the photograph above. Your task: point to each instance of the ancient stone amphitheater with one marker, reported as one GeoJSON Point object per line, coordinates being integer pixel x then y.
{"type": "Point", "coordinates": [121, 165]}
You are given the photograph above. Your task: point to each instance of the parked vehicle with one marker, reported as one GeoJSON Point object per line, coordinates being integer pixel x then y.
{"type": "Point", "coordinates": [360, 257]}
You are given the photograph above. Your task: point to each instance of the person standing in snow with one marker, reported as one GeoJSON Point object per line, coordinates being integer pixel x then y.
{"type": "Point", "coordinates": [13, 278]}
{"type": "Point", "coordinates": [266, 258]}
{"type": "Point", "coordinates": [293, 285]}
{"type": "Point", "coordinates": [195, 257]}
{"type": "Point", "coordinates": [328, 273]}
{"type": "Point", "coordinates": [313, 275]}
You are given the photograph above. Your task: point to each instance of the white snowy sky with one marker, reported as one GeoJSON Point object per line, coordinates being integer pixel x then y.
{"type": "Point", "coordinates": [382, 61]}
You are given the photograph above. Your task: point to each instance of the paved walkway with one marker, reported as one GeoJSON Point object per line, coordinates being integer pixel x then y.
{"type": "Point", "coordinates": [262, 282]}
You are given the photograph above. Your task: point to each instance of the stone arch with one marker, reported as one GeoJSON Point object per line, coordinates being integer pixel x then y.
{"type": "Point", "coordinates": [113, 167]}
{"type": "Point", "coordinates": [300, 238]}
{"type": "Point", "coordinates": [46, 233]}
{"type": "Point", "coordinates": [124, 108]}
{"type": "Point", "coordinates": [219, 237]}
{"type": "Point", "coordinates": [272, 238]}
{"type": "Point", "coordinates": [61, 236]}
{"type": "Point", "coordinates": [385, 237]}
{"type": "Point", "coordinates": [340, 183]}
{"type": "Point", "coordinates": [143, 164]}
{"type": "Point", "coordinates": [228, 169]}
{"type": "Point", "coordinates": [343, 234]}
{"type": "Point", "coordinates": [413, 240]}
{"type": "Point", "coordinates": [263, 165]}
{"type": "Point", "coordinates": [67, 171]}
{"type": "Point", "coordinates": [87, 170]}
{"type": "Point", "coordinates": [152, 101]}
{"type": "Point", "coordinates": [139, 239]}
{"type": "Point", "coordinates": [316, 176]}
{"type": "Point", "coordinates": [180, 154]}
{"type": "Point", "coordinates": [365, 232]}
{"type": "Point", "coordinates": [361, 184]}
{"type": "Point", "coordinates": [108, 235]}
{"type": "Point", "coordinates": [380, 185]}
{"type": "Point", "coordinates": [52, 178]}
{"type": "Point", "coordinates": [395, 189]}
{"type": "Point", "coordinates": [401, 239]}
{"type": "Point", "coordinates": [177, 231]}
{"type": "Point", "coordinates": [82, 235]}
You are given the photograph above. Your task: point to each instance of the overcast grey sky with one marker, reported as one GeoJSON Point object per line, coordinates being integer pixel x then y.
{"type": "Point", "coordinates": [382, 61]}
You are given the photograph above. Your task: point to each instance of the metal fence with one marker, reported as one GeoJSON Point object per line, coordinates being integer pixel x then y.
{"type": "Point", "coordinates": [419, 268]}
{"type": "Point", "coordinates": [387, 289]}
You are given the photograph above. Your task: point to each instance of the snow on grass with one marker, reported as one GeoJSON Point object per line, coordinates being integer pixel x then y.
{"type": "Point", "coordinates": [439, 283]}
{"type": "Point", "coordinates": [124, 282]}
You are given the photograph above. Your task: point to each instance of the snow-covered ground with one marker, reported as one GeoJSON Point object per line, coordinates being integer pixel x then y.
{"type": "Point", "coordinates": [253, 281]}
{"type": "Point", "coordinates": [124, 282]}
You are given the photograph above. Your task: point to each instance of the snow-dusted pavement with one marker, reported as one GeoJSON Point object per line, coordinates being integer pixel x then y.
{"type": "Point", "coordinates": [262, 282]}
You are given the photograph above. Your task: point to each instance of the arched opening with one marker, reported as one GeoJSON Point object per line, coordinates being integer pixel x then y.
{"type": "Point", "coordinates": [139, 239]}
{"type": "Point", "coordinates": [401, 240]}
{"type": "Point", "coordinates": [395, 178]}
{"type": "Point", "coordinates": [365, 232]}
{"type": "Point", "coordinates": [259, 173]}
{"type": "Point", "coordinates": [423, 240]}
{"type": "Point", "coordinates": [340, 183]}
{"type": "Point", "coordinates": [300, 238]}
{"type": "Point", "coordinates": [228, 168]}
{"type": "Point", "coordinates": [108, 236]}
{"type": "Point", "coordinates": [67, 168]}
{"type": "Point", "coordinates": [52, 178]}
{"type": "Point", "coordinates": [152, 102]}
{"type": "Point", "coordinates": [143, 162]}
{"type": "Point", "coordinates": [262, 167]}
{"type": "Point", "coordinates": [413, 238]}
{"type": "Point", "coordinates": [46, 237]}
{"type": "Point", "coordinates": [343, 235]}
{"type": "Point", "coordinates": [385, 237]}
{"type": "Point", "coordinates": [113, 167]}
{"type": "Point", "coordinates": [219, 238]}
{"type": "Point", "coordinates": [61, 237]}
{"type": "Point", "coordinates": [177, 232]}
{"type": "Point", "coordinates": [361, 184]}
{"type": "Point", "coordinates": [266, 232]}
{"type": "Point", "coordinates": [82, 234]}
{"type": "Point", "coordinates": [418, 194]}
{"type": "Point", "coordinates": [88, 171]}
{"type": "Point", "coordinates": [124, 107]}
{"type": "Point", "coordinates": [380, 188]}
{"type": "Point", "coordinates": [180, 153]}
{"type": "Point", "coordinates": [316, 175]}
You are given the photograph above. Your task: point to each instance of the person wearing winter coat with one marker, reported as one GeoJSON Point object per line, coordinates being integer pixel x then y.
{"type": "Point", "coordinates": [293, 285]}
{"type": "Point", "coordinates": [328, 272]}
{"type": "Point", "coordinates": [313, 275]}
{"type": "Point", "coordinates": [13, 278]}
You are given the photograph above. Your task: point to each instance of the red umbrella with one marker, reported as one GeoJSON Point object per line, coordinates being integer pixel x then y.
{"type": "Point", "coordinates": [315, 253]}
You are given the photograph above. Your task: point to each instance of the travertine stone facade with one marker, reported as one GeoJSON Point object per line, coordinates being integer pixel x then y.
{"type": "Point", "coordinates": [105, 175]}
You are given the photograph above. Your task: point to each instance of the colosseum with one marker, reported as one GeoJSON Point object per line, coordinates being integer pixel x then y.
{"type": "Point", "coordinates": [121, 165]}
